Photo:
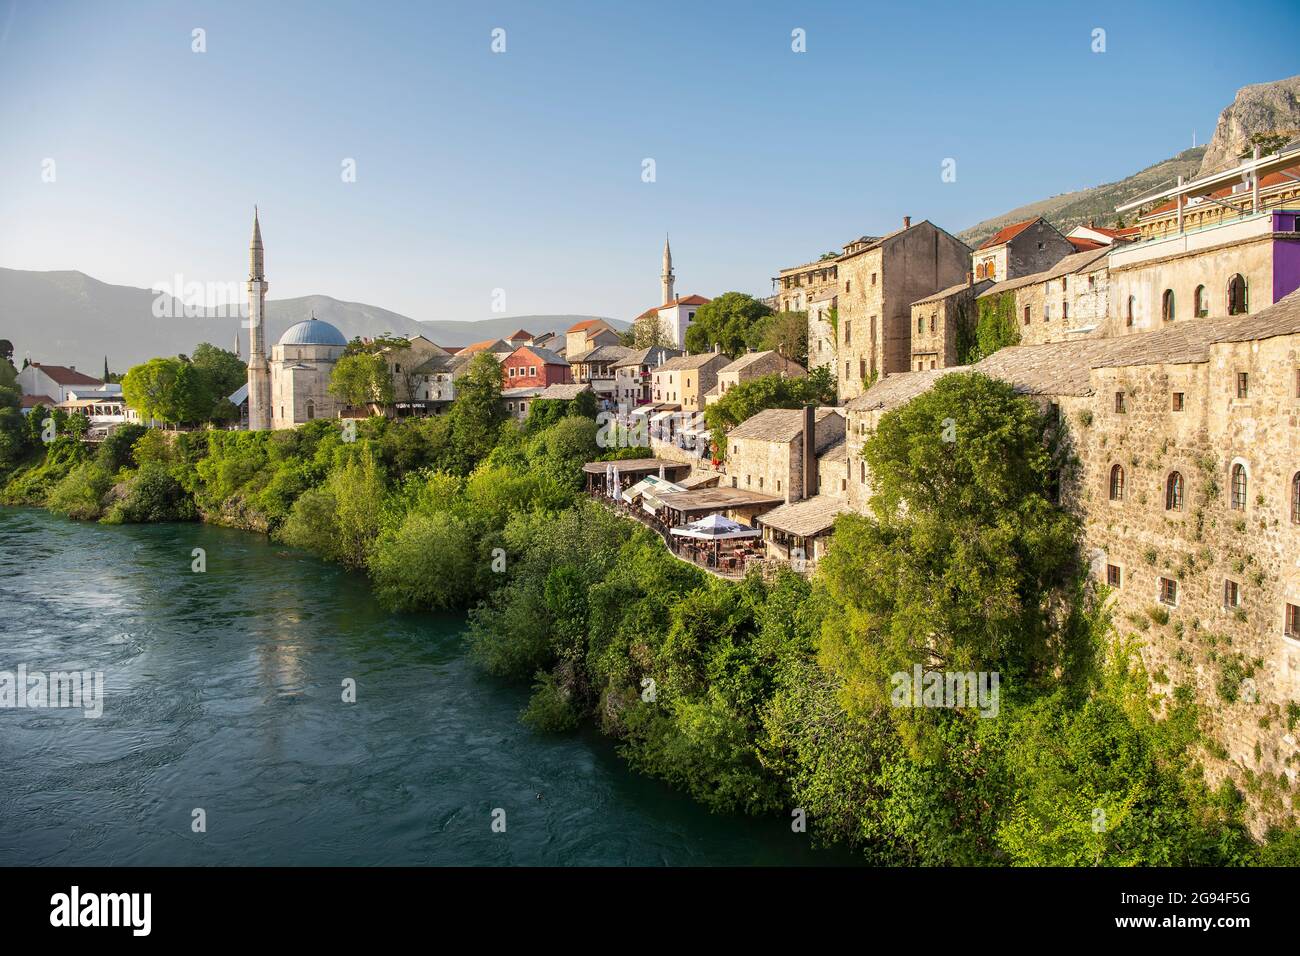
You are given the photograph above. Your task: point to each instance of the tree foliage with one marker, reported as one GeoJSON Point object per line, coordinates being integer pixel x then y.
{"type": "Point", "coordinates": [725, 322]}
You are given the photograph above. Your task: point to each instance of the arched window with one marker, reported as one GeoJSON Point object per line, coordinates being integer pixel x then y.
{"type": "Point", "coordinates": [1167, 305]}
{"type": "Point", "coordinates": [1295, 498]}
{"type": "Point", "coordinates": [1026, 315]}
{"type": "Point", "coordinates": [1117, 483]}
{"type": "Point", "coordinates": [1201, 307]}
{"type": "Point", "coordinates": [1238, 487]}
{"type": "Point", "coordinates": [1174, 492]}
{"type": "Point", "coordinates": [1237, 302]}
{"type": "Point", "coordinates": [1132, 304]}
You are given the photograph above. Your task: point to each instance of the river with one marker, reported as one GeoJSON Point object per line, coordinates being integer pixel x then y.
{"type": "Point", "coordinates": [223, 693]}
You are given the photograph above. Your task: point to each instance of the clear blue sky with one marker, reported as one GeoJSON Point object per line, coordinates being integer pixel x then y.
{"type": "Point", "coordinates": [522, 170]}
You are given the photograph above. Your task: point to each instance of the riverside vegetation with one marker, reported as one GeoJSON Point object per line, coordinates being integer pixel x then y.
{"type": "Point", "coordinates": [769, 696]}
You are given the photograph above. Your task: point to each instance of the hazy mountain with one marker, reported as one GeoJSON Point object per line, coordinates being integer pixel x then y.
{"type": "Point", "coordinates": [1270, 110]}
{"type": "Point", "coordinates": [69, 318]}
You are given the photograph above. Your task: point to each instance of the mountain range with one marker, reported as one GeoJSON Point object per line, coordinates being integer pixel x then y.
{"type": "Point", "coordinates": [70, 318]}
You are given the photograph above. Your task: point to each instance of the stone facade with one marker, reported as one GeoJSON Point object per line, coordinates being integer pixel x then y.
{"type": "Point", "coordinates": [1194, 274]}
{"type": "Point", "coordinates": [751, 366]}
{"type": "Point", "coordinates": [1020, 249]}
{"type": "Point", "coordinates": [879, 279]}
{"type": "Point", "coordinates": [765, 452]}
{"type": "Point", "coordinates": [684, 380]}
{"type": "Point", "coordinates": [822, 312]}
{"type": "Point", "coordinates": [941, 322]}
{"type": "Point", "coordinates": [798, 286]}
{"type": "Point", "coordinates": [1188, 488]}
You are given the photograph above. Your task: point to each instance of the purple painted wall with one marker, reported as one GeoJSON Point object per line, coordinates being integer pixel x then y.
{"type": "Point", "coordinates": [1286, 254]}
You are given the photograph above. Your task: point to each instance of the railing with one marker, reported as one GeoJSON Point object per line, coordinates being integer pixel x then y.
{"type": "Point", "coordinates": [733, 567]}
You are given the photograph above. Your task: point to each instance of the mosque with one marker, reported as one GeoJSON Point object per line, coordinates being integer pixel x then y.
{"type": "Point", "coordinates": [293, 387]}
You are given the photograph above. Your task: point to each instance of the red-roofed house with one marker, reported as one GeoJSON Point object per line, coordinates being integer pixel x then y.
{"type": "Point", "coordinates": [532, 367]}
{"type": "Point", "coordinates": [588, 334]}
{"type": "Point", "coordinates": [1104, 235]}
{"type": "Point", "coordinates": [1020, 249]}
{"type": "Point", "coordinates": [56, 382]}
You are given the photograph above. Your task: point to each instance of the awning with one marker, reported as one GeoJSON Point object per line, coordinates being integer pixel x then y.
{"type": "Point", "coordinates": [716, 527]}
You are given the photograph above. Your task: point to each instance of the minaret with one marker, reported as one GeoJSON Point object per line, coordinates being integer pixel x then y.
{"type": "Point", "coordinates": [259, 373]}
{"type": "Point", "coordinates": [667, 278]}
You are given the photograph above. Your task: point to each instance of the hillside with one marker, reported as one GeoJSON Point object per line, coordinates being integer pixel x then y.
{"type": "Point", "coordinates": [1268, 109]}
{"type": "Point", "coordinates": [1098, 202]}
{"type": "Point", "coordinates": [70, 318]}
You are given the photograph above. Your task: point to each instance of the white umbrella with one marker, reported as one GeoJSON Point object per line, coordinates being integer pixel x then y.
{"type": "Point", "coordinates": [609, 480]}
{"type": "Point", "coordinates": [661, 472]}
{"type": "Point", "coordinates": [617, 482]}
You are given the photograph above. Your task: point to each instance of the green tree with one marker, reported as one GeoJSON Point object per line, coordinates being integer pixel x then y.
{"type": "Point", "coordinates": [785, 333]}
{"type": "Point", "coordinates": [172, 390]}
{"type": "Point", "coordinates": [476, 414]}
{"type": "Point", "coordinates": [767, 391]}
{"type": "Point", "coordinates": [362, 379]}
{"type": "Point", "coordinates": [221, 370]}
{"type": "Point", "coordinates": [725, 322]}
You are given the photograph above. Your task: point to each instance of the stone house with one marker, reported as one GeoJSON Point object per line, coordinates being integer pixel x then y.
{"type": "Point", "coordinates": [943, 322]}
{"type": "Point", "coordinates": [684, 380]}
{"type": "Point", "coordinates": [750, 366]}
{"type": "Point", "coordinates": [586, 335]}
{"type": "Point", "coordinates": [532, 367]}
{"type": "Point", "coordinates": [596, 368]}
{"type": "Point", "coordinates": [1067, 301]}
{"type": "Point", "coordinates": [767, 452]}
{"type": "Point", "coordinates": [796, 287]}
{"type": "Point", "coordinates": [1020, 249]}
{"type": "Point", "coordinates": [879, 279]}
{"type": "Point", "coordinates": [822, 313]}
{"type": "Point", "coordinates": [633, 374]}
{"type": "Point", "coordinates": [1228, 268]}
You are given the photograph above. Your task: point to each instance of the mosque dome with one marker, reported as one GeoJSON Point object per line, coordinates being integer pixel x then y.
{"type": "Point", "coordinates": [312, 332]}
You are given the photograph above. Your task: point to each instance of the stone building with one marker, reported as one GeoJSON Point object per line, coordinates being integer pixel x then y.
{"type": "Point", "coordinates": [1067, 301]}
{"type": "Point", "coordinates": [596, 367]}
{"type": "Point", "coordinates": [796, 287]}
{"type": "Point", "coordinates": [586, 335]}
{"type": "Point", "coordinates": [302, 363]}
{"type": "Point", "coordinates": [750, 366]}
{"type": "Point", "coordinates": [1020, 249]}
{"type": "Point", "coordinates": [767, 453]}
{"type": "Point", "coordinates": [633, 374]}
{"type": "Point", "coordinates": [822, 315]}
{"type": "Point", "coordinates": [1228, 268]}
{"type": "Point", "coordinates": [879, 279]}
{"type": "Point", "coordinates": [683, 380]}
{"type": "Point", "coordinates": [1188, 488]}
{"type": "Point", "coordinates": [944, 322]}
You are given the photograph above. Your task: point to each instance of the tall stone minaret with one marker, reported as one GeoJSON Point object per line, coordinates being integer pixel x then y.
{"type": "Point", "coordinates": [259, 373]}
{"type": "Point", "coordinates": [667, 278]}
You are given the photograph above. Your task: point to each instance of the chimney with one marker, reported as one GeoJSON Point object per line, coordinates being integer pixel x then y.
{"type": "Point", "coordinates": [809, 451]}
{"type": "Point", "coordinates": [970, 279]}
{"type": "Point", "coordinates": [907, 222]}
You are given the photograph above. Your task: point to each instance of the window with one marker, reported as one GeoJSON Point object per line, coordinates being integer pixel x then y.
{"type": "Point", "coordinates": [848, 332]}
{"type": "Point", "coordinates": [1201, 305]}
{"type": "Point", "coordinates": [510, 406]}
{"type": "Point", "coordinates": [1169, 592]}
{"type": "Point", "coordinates": [1128, 316]}
{"type": "Point", "coordinates": [932, 318]}
{"type": "Point", "coordinates": [532, 371]}
{"type": "Point", "coordinates": [846, 285]}
{"type": "Point", "coordinates": [932, 362]}
{"type": "Point", "coordinates": [778, 483]}
{"type": "Point", "coordinates": [1167, 305]}
{"type": "Point", "coordinates": [760, 481]}
{"type": "Point", "coordinates": [1174, 492]}
{"type": "Point", "coordinates": [311, 410]}
{"type": "Point", "coordinates": [873, 278]}
{"type": "Point", "coordinates": [512, 371]}
{"type": "Point", "coordinates": [1295, 498]}
{"type": "Point", "coordinates": [1113, 576]}
{"type": "Point", "coordinates": [1120, 407]}
{"type": "Point", "coordinates": [920, 324]}
{"type": "Point", "coordinates": [1026, 315]}
{"type": "Point", "coordinates": [733, 482]}
{"type": "Point", "coordinates": [1178, 401]}
{"type": "Point", "coordinates": [1231, 594]}
{"type": "Point", "coordinates": [1293, 622]}
{"type": "Point", "coordinates": [1243, 384]}
{"type": "Point", "coordinates": [846, 370]}
{"type": "Point", "coordinates": [862, 369]}
{"type": "Point", "coordinates": [1117, 483]}
{"type": "Point", "coordinates": [1237, 303]}
{"type": "Point", "coordinates": [1238, 487]}
{"type": "Point", "coordinates": [1065, 310]}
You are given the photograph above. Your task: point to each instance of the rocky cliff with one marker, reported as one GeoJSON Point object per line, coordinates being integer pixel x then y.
{"type": "Point", "coordinates": [1267, 113]}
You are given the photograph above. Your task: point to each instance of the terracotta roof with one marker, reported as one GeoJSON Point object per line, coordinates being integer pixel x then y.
{"type": "Point", "coordinates": [805, 518]}
{"type": "Point", "coordinates": [521, 334]}
{"type": "Point", "coordinates": [587, 324]}
{"type": "Point", "coordinates": [31, 401]}
{"type": "Point", "coordinates": [487, 345]}
{"type": "Point", "coordinates": [66, 376]}
{"type": "Point", "coordinates": [1085, 245]}
{"type": "Point", "coordinates": [1126, 233]}
{"type": "Point", "coordinates": [1007, 233]}
{"type": "Point", "coordinates": [687, 300]}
